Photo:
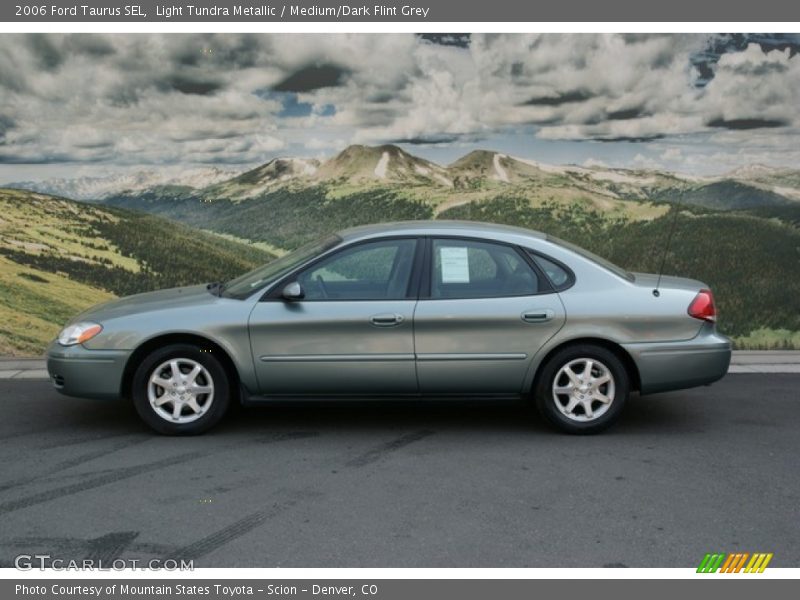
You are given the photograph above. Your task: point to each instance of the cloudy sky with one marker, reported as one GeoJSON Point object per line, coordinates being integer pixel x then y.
{"type": "Point", "coordinates": [86, 104]}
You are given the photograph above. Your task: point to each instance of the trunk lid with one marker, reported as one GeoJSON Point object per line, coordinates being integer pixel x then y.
{"type": "Point", "coordinates": [649, 280]}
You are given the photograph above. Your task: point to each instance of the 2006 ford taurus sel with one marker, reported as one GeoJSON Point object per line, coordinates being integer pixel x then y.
{"type": "Point", "coordinates": [403, 309]}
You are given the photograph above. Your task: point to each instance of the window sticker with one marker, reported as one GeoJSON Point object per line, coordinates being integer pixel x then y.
{"type": "Point", "coordinates": [455, 264]}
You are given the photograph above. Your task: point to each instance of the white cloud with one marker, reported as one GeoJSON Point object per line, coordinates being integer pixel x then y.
{"type": "Point", "coordinates": [170, 99]}
{"type": "Point", "coordinates": [672, 154]}
{"type": "Point", "coordinates": [595, 162]}
{"type": "Point", "coordinates": [754, 85]}
{"type": "Point", "coordinates": [646, 162]}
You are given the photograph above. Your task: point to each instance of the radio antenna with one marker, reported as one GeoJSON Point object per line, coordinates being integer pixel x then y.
{"type": "Point", "coordinates": [677, 209]}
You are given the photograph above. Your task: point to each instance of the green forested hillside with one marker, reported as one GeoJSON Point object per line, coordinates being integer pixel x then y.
{"type": "Point", "coordinates": [57, 257]}
{"type": "Point", "coordinates": [724, 195]}
{"type": "Point", "coordinates": [784, 214]}
{"type": "Point", "coordinates": [286, 218]}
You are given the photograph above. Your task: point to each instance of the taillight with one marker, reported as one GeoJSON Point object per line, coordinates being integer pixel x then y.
{"type": "Point", "coordinates": [702, 307]}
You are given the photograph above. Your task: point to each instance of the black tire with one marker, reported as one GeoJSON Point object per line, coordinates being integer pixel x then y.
{"type": "Point", "coordinates": [546, 402]}
{"type": "Point", "coordinates": [219, 379]}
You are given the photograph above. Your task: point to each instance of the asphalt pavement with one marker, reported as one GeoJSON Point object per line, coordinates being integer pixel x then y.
{"type": "Point", "coordinates": [414, 484]}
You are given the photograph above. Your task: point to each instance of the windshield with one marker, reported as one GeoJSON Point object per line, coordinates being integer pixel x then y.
{"type": "Point", "coordinates": [243, 286]}
{"type": "Point", "coordinates": [619, 271]}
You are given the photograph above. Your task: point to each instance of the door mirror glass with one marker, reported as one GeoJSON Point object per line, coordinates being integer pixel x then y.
{"type": "Point", "coordinates": [293, 291]}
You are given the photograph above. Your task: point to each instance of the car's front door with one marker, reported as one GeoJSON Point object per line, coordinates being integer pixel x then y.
{"type": "Point", "coordinates": [484, 314]}
{"type": "Point", "coordinates": [352, 332]}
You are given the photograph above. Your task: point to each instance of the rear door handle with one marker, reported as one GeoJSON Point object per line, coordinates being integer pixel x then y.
{"type": "Point", "coordinates": [538, 315]}
{"type": "Point", "coordinates": [386, 320]}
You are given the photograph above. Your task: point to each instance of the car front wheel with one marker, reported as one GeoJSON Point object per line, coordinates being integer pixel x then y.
{"type": "Point", "coordinates": [181, 390]}
{"type": "Point", "coordinates": [582, 389]}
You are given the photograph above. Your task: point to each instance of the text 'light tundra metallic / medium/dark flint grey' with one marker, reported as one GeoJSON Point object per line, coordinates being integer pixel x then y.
{"type": "Point", "coordinates": [431, 309]}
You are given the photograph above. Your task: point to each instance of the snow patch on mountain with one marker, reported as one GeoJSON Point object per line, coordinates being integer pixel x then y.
{"type": "Point", "coordinates": [556, 169]}
{"type": "Point", "coordinates": [99, 188]}
{"type": "Point", "coordinates": [308, 167]}
{"type": "Point", "coordinates": [620, 177]}
{"type": "Point", "coordinates": [383, 164]}
{"type": "Point", "coordinates": [754, 171]}
{"type": "Point", "coordinates": [500, 172]}
{"type": "Point", "coordinates": [443, 180]}
{"type": "Point", "coordinates": [792, 193]}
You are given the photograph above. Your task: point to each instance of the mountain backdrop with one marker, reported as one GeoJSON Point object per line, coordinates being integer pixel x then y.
{"type": "Point", "coordinates": [737, 232]}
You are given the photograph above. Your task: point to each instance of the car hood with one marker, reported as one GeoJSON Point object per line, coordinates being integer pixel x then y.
{"type": "Point", "coordinates": [179, 297]}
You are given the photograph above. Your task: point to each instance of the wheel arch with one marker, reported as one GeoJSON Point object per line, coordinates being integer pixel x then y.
{"type": "Point", "coordinates": [151, 344]}
{"type": "Point", "coordinates": [617, 349]}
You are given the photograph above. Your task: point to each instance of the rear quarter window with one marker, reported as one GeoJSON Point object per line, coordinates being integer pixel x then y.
{"type": "Point", "coordinates": [560, 277]}
{"type": "Point", "coordinates": [598, 260]}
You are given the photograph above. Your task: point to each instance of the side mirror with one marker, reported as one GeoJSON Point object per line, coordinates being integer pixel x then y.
{"type": "Point", "coordinates": [293, 291]}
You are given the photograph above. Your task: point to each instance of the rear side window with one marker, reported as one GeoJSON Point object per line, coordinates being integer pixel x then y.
{"type": "Point", "coordinates": [558, 275]}
{"type": "Point", "coordinates": [472, 269]}
{"type": "Point", "coordinates": [599, 260]}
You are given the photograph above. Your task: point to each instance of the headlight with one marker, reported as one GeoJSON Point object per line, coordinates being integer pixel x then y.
{"type": "Point", "coordinates": [78, 333]}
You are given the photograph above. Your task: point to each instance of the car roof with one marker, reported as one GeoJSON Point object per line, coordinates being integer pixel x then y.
{"type": "Point", "coordinates": [466, 228]}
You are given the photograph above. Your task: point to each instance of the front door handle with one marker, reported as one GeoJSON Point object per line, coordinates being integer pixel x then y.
{"type": "Point", "coordinates": [538, 315]}
{"type": "Point", "coordinates": [386, 320]}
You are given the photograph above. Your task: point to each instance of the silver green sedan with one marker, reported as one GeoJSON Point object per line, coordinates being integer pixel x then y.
{"type": "Point", "coordinates": [430, 309]}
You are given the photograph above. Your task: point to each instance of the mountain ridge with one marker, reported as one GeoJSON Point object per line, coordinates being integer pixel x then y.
{"type": "Point", "coordinates": [97, 188]}
{"type": "Point", "coordinates": [390, 166]}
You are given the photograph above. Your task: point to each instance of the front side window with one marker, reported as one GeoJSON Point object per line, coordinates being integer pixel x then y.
{"type": "Point", "coordinates": [473, 269]}
{"type": "Point", "coordinates": [245, 285]}
{"type": "Point", "coordinates": [372, 271]}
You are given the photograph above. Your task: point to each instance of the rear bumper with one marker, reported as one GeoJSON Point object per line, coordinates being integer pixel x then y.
{"type": "Point", "coordinates": [76, 371]}
{"type": "Point", "coordinates": [665, 366]}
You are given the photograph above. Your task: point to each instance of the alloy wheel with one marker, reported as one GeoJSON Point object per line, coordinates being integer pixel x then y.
{"type": "Point", "coordinates": [180, 390]}
{"type": "Point", "coordinates": [583, 389]}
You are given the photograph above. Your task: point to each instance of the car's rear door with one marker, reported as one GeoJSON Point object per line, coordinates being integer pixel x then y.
{"type": "Point", "coordinates": [484, 311]}
{"type": "Point", "coordinates": [352, 333]}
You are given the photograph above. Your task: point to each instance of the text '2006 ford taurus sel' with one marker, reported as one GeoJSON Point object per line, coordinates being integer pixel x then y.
{"type": "Point", "coordinates": [427, 309]}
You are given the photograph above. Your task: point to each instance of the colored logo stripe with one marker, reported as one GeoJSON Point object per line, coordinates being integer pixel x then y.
{"type": "Point", "coordinates": [734, 562]}
{"type": "Point", "coordinates": [710, 563]}
{"type": "Point", "coordinates": [758, 563]}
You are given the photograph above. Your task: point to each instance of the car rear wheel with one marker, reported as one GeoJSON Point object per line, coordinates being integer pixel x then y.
{"type": "Point", "coordinates": [181, 390]}
{"type": "Point", "coordinates": [582, 389]}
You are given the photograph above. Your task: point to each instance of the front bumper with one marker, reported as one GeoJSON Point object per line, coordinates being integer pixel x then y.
{"type": "Point", "coordinates": [76, 371]}
{"type": "Point", "coordinates": [665, 366]}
